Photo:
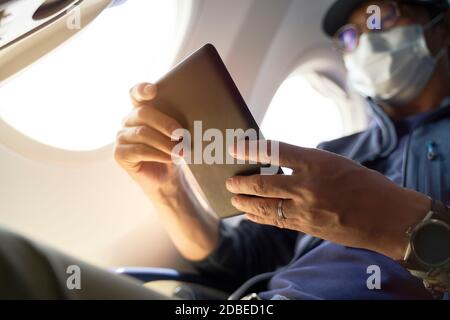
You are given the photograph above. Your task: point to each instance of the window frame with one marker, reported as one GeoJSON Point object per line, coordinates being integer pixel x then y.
{"type": "Point", "coordinates": [14, 140]}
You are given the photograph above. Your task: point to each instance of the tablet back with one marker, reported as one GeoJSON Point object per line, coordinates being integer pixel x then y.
{"type": "Point", "coordinates": [201, 89]}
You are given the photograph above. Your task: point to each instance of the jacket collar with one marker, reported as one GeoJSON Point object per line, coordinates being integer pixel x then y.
{"type": "Point", "coordinates": [380, 139]}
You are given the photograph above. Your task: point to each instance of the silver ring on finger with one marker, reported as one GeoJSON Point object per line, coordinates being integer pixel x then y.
{"type": "Point", "coordinates": [280, 210]}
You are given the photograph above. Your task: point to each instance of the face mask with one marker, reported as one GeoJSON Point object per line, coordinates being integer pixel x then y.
{"type": "Point", "coordinates": [392, 66]}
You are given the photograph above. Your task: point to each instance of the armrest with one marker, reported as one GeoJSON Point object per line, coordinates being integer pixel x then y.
{"type": "Point", "coordinates": [157, 274]}
{"type": "Point", "coordinates": [194, 287]}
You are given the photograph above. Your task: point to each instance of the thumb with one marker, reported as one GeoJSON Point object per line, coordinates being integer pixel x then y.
{"type": "Point", "coordinates": [143, 92]}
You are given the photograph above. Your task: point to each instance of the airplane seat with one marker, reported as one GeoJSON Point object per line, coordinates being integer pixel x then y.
{"type": "Point", "coordinates": [196, 287]}
{"type": "Point", "coordinates": [192, 286]}
{"type": "Point", "coordinates": [189, 286]}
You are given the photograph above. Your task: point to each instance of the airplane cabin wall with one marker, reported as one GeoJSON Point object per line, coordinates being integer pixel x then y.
{"type": "Point", "coordinates": [83, 204]}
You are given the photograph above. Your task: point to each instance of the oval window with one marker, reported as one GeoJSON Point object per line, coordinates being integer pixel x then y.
{"type": "Point", "coordinates": [301, 115]}
{"type": "Point", "coordinates": [76, 97]}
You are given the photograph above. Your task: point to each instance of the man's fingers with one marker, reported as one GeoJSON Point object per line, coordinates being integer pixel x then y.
{"type": "Point", "coordinates": [270, 152]}
{"type": "Point", "coordinates": [263, 207]}
{"type": "Point", "coordinates": [146, 135]}
{"type": "Point", "coordinates": [143, 92]}
{"type": "Point", "coordinates": [145, 115]}
{"type": "Point", "coordinates": [279, 223]}
{"type": "Point", "coordinates": [133, 154]}
{"type": "Point", "coordinates": [275, 186]}
{"type": "Point", "coordinates": [153, 118]}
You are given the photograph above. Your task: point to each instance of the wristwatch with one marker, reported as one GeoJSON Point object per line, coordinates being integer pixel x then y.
{"type": "Point", "coordinates": [428, 252]}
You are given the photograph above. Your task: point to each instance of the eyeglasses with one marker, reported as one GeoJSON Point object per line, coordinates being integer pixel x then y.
{"type": "Point", "coordinates": [347, 38]}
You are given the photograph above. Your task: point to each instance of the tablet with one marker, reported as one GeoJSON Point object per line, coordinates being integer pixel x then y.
{"type": "Point", "coordinates": [200, 93]}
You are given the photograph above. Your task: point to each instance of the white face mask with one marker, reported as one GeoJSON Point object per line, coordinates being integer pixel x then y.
{"type": "Point", "coordinates": [392, 66]}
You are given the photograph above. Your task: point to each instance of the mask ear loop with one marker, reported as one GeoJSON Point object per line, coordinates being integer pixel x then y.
{"type": "Point", "coordinates": [431, 24]}
{"type": "Point", "coordinates": [434, 21]}
{"type": "Point", "coordinates": [441, 54]}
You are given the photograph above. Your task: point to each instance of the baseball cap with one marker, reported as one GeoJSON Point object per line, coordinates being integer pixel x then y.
{"type": "Point", "coordinates": [339, 12]}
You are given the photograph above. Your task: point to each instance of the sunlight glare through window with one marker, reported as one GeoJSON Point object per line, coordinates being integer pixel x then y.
{"type": "Point", "coordinates": [76, 97]}
{"type": "Point", "coordinates": [300, 115]}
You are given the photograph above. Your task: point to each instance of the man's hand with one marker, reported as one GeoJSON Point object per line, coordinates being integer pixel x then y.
{"type": "Point", "coordinates": [144, 145]}
{"type": "Point", "coordinates": [330, 197]}
{"type": "Point", "coordinates": [144, 149]}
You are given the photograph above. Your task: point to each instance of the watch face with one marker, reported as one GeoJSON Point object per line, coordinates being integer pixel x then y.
{"type": "Point", "coordinates": [431, 243]}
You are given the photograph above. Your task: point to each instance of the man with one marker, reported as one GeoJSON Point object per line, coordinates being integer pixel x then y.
{"type": "Point", "coordinates": [368, 202]}
{"type": "Point", "coordinates": [404, 69]}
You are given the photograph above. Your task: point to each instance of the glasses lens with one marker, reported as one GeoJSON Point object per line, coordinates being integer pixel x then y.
{"type": "Point", "coordinates": [389, 15]}
{"type": "Point", "coordinates": [348, 38]}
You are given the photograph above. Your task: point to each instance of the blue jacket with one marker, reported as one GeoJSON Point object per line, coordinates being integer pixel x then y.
{"type": "Point", "coordinates": [301, 267]}
{"type": "Point", "coordinates": [426, 158]}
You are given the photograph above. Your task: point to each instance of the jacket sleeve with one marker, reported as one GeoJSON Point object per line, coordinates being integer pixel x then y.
{"type": "Point", "coordinates": [247, 250]}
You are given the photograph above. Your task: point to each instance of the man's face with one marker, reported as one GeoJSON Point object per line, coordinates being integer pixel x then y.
{"type": "Point", "coordinates": [437, 37]}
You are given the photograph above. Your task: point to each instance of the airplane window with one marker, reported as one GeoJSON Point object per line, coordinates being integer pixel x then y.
{"type": "Point", "coordinates": [76, 97]}
{"type": "Point", "coordinates": [300, 115]}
